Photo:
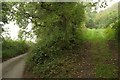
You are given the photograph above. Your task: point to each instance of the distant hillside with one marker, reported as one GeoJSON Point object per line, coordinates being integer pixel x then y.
{"type": "Point", "coordinates": [114, 7]}
{"type": "Point", "coordinates": [107, 16]}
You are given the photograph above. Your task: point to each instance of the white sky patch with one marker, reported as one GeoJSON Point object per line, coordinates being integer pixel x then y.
{"type": "Point", "coordinates": [109, 3]}
{"type": "Point", "coordinates": [12, 29]}
{"type": "Point", "coordinates": [29, 27]}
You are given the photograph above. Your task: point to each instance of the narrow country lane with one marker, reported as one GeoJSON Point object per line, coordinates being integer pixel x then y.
{"type": "Point", "coordinates": [14, 67]}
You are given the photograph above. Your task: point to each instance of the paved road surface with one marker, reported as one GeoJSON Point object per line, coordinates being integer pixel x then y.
{"type": "Point", "coordinates": [13, 68]}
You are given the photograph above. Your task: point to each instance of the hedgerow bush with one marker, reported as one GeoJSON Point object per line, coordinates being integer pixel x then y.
{"type": "Point", "coordinates": [11, 48]}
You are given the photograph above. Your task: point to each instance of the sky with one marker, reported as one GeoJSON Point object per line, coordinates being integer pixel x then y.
{"type": "Point", "coordinates": [110, 3]}
{"type": "Point", "coordinates": [13, 29]}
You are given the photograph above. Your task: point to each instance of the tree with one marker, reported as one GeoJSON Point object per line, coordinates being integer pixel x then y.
{"type": "Point", "coordinates": [45, 17]}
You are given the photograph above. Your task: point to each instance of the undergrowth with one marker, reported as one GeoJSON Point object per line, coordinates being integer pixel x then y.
{"type": "Point", "coordinates": [11, 48]}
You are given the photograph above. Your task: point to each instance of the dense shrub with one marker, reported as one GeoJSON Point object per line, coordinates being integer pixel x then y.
{"type": "Point", "coordinates": [12, 48]}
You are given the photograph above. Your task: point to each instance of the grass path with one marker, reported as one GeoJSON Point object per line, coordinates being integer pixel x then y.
{"type": "Point", "coordinates": [103, 58]}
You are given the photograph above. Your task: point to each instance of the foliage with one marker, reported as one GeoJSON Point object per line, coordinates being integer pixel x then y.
{"type": "Point", "coordinates": [12, 48]}
{"type": "Point", "coordinates": [4, 11]}
{"type": "Point", "coordinates": [110, 33]}
{"type": "Point", "coordinates": [90, 15]}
